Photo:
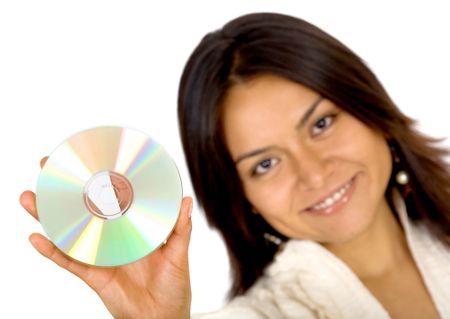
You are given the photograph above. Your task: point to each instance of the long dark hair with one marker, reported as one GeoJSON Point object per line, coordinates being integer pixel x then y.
{"type": "Point", "coordinates": [268, 43]}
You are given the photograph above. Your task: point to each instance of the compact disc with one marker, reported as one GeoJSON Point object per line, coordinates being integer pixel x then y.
{"type": "Point", "coordinates": [108, 196]}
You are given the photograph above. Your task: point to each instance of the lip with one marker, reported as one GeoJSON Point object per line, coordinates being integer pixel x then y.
{"type": "Point", "coordinates": [336, 206]}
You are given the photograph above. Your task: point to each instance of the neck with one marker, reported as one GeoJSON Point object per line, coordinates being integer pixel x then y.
{"type": "Point", "coordinates": [378, 250]}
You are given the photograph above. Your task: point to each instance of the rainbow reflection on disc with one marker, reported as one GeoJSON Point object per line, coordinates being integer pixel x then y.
{"type": "Point", "coordinates": [108, 196]}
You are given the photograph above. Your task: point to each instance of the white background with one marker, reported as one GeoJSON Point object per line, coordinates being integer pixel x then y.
{"type": "Point", "coordinates": [67, 66]}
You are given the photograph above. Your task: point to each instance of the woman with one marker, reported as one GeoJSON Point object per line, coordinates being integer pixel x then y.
{"type": "Point", "coordinates": [330, 203]}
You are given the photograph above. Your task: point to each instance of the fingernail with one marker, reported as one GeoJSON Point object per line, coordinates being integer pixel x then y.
{"type": "Point", "coordinates": [32, 240]}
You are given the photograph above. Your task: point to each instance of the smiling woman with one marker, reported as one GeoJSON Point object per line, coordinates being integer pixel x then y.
{"type": "Point", "coordinates": [328, 199]}
{"type": "Point", "coordinates": [296, 172]}
{"type": "Point", "coordinates": [330, 202]}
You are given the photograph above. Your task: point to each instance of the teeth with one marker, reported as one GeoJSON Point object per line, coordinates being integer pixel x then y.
{"type": "Point", "coordinates": [332, 198]}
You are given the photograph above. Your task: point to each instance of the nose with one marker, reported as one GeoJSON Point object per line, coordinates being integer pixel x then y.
{"type": "Point", "coordinates": [313, 168]}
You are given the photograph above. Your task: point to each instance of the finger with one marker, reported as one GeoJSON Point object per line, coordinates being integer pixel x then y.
{"type": "Point", "coordinates": [28, 201]}
{"type": "Point", "coordinates": [47, 249]}
{"type": "Point", "coordinates": [178, 242]}
{"type": "Point", "coordinates": [183, 226]}
{"type": "Point", "coordinates": [43, 161]}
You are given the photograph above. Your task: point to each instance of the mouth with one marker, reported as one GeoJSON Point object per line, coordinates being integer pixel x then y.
{"type": "Point", "coordinates": [334, 201]}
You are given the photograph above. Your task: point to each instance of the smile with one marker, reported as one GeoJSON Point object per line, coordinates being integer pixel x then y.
{"type": "Point", "coordinates": [334, 201]}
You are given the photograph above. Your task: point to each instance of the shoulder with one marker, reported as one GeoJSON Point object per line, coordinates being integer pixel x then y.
{"type": "Point", "coordinates": [230, 311]}
{"type": "Point", "coordinates": [290, 287]}
{"type": "Point", "coordinates": [262, 301]}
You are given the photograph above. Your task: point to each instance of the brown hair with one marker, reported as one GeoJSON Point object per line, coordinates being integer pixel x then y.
{"type": "Point", "coordinates": [294, 49]}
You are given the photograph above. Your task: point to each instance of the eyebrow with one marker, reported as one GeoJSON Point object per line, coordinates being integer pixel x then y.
{"type": "Point", "coordinates": [299, 125]}
{"type": "Point", "coordinates": [309, 113]}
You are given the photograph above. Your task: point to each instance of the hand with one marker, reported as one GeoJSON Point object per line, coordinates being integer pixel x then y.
{"type": "Point", "coordinates": [156, 286]}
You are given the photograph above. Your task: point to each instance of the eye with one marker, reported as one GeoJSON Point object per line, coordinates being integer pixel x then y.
{"type": "Point", "coordinates": [322, 124]}
{"type": "Point", "coordinates": [264, 166]}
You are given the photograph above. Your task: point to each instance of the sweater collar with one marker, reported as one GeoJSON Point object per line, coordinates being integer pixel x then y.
{"type": "Point", "coordinates": [331, 287]}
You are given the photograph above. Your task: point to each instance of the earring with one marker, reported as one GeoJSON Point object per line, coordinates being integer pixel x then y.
{"type": "Point", "coordinates": [273, 239]}
{"type": "Point", "coordinates": [402, 177]}
{"type": "Point", "coordinates": [278, 242]}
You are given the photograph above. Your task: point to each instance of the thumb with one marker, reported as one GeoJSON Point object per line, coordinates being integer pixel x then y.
{"type": "Point", "coordinates": [177, 244]}
{"type": "Point", "coordinates": [47, 249]}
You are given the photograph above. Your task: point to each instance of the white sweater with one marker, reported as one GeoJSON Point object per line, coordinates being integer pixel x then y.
{"type": "Point", "coordinates": [307, 281]}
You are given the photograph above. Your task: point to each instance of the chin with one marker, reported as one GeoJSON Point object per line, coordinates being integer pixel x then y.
{"type": "Point", "coordinates": [348, 230]}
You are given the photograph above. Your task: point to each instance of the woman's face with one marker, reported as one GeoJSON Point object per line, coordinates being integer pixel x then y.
{"type": "Point", "coordinates": [312, 170]}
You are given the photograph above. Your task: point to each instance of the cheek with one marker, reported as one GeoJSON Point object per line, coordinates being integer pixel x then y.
{"type": "Point", "coordinates": [382, 161]}
{"type": "Point", "coordinates": [375, 153]}
{"type": "Point", "coordinates": [362, 144]}
{"type": "Point", "coordinates": [370, 152]}
{"type": "Point", "coordinates": [269, 199]}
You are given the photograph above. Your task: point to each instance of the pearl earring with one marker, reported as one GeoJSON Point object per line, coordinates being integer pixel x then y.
{"type": "Point", "coordinates": [402, 177]}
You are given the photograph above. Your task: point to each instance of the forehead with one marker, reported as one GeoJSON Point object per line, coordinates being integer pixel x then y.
{"type": "Point", "coordinates": [268, 88]}
{"type": "Point", "coordinates": [262, 109]}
